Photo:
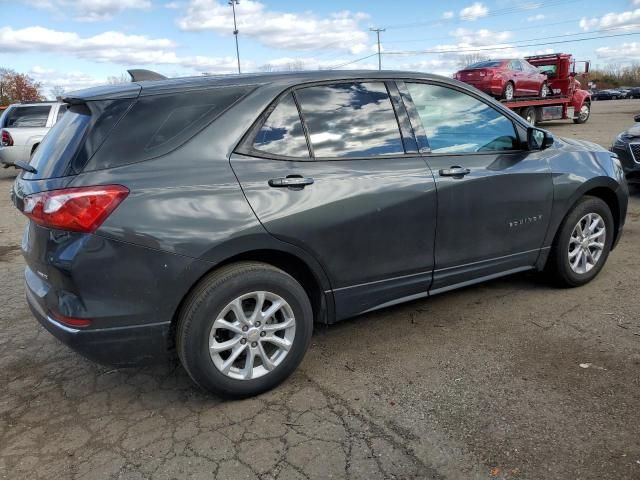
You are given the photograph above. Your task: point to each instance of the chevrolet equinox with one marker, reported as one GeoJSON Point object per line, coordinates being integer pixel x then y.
{"type": "Point", "coordinates": [221, 217]}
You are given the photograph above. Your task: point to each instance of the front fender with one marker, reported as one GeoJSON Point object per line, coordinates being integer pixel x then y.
{"type": "Point", "coordinates": [579, 98]}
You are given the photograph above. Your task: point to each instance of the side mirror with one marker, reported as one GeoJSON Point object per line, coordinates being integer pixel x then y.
{"type": "Point", "coordinates": [636, 118]}
{"type": "Point", "coordinates": [538, 139]}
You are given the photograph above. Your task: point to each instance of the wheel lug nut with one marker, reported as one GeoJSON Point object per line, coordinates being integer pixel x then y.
{"type": "Point", "coordinates": [243, 341]}
{"type": "Point", "coordinates": [262, 334]}
{"type": "Point", "coordinates": [245, 328]}
{"type": "Point", "coordinates": [254, 344]}
{"type": "Point", "coordinates": [257, 324]}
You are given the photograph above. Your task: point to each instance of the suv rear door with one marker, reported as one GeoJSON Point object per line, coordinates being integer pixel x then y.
{"type": "Point", "coordinates": [362, 199]}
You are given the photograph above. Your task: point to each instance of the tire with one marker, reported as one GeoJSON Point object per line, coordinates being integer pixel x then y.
{"type": "Point", "coordinates": [564, 250]}
{"type": "Point", "coordinates": [509, 91]}
{"type": "Point", "coordinates": [209, 300]}
{"type": "Point", "coordinates": [583, 116]}
{"type": "Point", "coordinates": [529, 114]}
{"type": "Point", "coordinates": [544, 90]}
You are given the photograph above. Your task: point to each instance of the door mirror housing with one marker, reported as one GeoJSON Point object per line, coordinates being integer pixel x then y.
{"type": "Point", "coordinates": [636, 118]}
{"type": "Point", "coordinates": [538, 139]}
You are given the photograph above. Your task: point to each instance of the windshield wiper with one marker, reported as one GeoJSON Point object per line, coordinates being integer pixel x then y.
{"type": "Point", "coordinates": [24, 166]}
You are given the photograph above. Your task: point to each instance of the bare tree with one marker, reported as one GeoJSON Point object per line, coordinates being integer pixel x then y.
{"type": "Point", "coordinates": [470, 58]}
{"type": "Point", "coordinates": [292, 66]}
{"type": "Point", "coordinates": [56, 91]}
{"type": "Point", "coordinates": [122, 78]}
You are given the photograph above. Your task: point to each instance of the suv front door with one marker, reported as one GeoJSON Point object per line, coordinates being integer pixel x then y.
{"type": "Point", "coordinates": [349, 186]}
{"type": "Point", "coordinates": [494, 197]}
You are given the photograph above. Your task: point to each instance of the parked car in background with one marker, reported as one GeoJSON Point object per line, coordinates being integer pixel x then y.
{"type": "Point", "coordinates": [223, 216]}
{"type": "Point", "coordinates": [22, 128]}
{"type": "Point", "coordinates": [609, 94]}
{"type": "Point", "coordinates": [627, 147]}
{"type": "Point", "coordinates": [505, 79]}
{"type": "Point", "coordinates": [634, 92]}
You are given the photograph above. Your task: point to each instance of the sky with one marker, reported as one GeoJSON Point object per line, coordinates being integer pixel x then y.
{"type": "Point", "coordinates": [75, 44]}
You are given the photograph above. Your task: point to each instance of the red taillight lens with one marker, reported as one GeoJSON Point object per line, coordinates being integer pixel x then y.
{"type": "Point", "coordinates": [7, 139]}
{"type": "Point", "coordinates": [81, 209]}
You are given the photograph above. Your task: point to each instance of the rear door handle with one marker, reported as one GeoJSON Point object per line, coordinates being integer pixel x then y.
{"type": "Point", "coordinates": [291, 181]}
{"type": "Point", "coordinates": [454, 172]}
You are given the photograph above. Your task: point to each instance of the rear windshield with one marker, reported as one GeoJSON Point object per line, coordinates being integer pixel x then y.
{"type": "Point", "coordinates": [26, 116]}
{"type": "Point", "coordinates": [486, 64]}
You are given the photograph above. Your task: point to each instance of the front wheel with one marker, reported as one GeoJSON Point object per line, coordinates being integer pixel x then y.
{"type": "Point", "coordinates": [509, 91]}
{"type": "Point", "coordinates": [583, 243]}
{"type": "Point", "coordinates": [244, 329]}
{"type": "Point", "coordinates": [544, 90]}
{"type": "Point", "coordinates": [583, 114]}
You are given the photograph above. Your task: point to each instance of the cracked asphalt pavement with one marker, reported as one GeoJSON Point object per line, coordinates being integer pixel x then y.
{"type": "Point", "coordinates": [510, 379]}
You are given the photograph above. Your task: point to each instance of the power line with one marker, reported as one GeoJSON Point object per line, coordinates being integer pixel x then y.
{"type": "Point", "coordinates": [378, 30]}
{"type": "Point", "coordinates": [480, 49]}
{"type": "Point", "coordinates": [352, 61]}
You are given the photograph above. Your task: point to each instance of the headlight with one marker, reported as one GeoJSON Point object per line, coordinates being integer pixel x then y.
{"type": "Point", "coordinates": [621, 140]}
{"type": "Point", "coordinates": [617, 166]}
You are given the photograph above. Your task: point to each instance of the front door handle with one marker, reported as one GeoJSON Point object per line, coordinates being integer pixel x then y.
{"type": "Point", "coordinates": [293, 181]}
{"type": "Point", "coordinates": [454, 172]}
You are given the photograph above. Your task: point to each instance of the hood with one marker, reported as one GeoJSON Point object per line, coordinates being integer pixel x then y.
{"type": "Point", "coordinates": [583, 144]}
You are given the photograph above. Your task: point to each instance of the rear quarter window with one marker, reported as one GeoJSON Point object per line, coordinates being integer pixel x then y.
{"type": "Point", "coordinates": [158, 124]}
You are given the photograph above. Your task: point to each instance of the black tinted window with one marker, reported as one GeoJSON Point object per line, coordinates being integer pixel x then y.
{"type": "Point", "coordinates": [35, 116]}
{"type": "Point", "coordinates": [486, 64]}
{"type": "Point", "coordinates": [350, 120]}
{"type": "Point", "coordinates": [155, 125]}
{"type": "Point", "coordinates": [459, 123]}
{"type": "Point", "coordinates": [282, 133]}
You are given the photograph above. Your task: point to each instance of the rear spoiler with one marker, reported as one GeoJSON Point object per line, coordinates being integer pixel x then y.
{"type": "Point", "coordinates": [140, 75]}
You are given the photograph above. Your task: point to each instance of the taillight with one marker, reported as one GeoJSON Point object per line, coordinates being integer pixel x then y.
{"type": "Point", "coordinates": [81, 209]}
{"type": "Point", "coordinates": [7, 139]}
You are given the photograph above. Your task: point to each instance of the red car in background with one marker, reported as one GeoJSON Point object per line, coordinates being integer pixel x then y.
{"type": "Point", "coordinates": [506, 78]}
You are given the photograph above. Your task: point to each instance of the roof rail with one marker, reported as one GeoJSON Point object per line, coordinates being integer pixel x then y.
{"type": "Point", "coordinates": [140, 75]}
{"type": "Point", "coordinates": [21, 102]}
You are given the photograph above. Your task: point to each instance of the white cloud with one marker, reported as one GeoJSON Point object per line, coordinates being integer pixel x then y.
{"type": "Point", "coordinates": [480, 38]}
{"type": "Point", "coordinates": [278, 29]}
{"type": "Point", "coordinates": [112, 47]}
{"type": "Point", "coordinates": [474, 11]}
{"type": "Point", "coordinates": [535, 18]}
{"type": "Point", "coordinates": [629, 19]}
{"type": "Point", "coordinates": [448, 15]}
{"type": "Point", "coordinates": [627, 52]}
{"type": "Point", "coordinates": [173, 5]}
{"type": "Point", "coordinates": [91, 10]}
{"type": "Point", "coordinates": [69, 81]}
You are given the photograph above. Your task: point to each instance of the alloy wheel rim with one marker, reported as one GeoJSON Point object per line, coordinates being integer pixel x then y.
{"type": "Point", "coordinates": [508, 94]}
{"type": "Point", "coordinates": [252, 335]}
{"type": "Point", "coordinates": [584, 112]}
{"type": "Point", "coordinates": [586, 243]}
{"type": "Point", "coordinates": [544, 91]}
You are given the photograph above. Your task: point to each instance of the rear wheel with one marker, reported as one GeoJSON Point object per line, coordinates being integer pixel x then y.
{"type": "Point", "coordinates": [509, 91]}
{"type": "Point", "coordinates": [244, 329]}
{"type": "Point", "coordinates": [583, 114]}
{"type": "Point", "coordinates": [529, 114]}
{"type": "Point", "coordinates": [583, 243]}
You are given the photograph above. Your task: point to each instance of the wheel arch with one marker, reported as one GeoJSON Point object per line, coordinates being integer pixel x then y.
{"type": "Point", "coordinates": [314, 281]}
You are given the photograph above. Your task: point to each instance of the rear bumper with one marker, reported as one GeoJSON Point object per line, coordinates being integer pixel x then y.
{"type": "Point", "coordinates": [10, 155]}
{"type": "Point", "coordinates": [493, 87]}
{"type": "Point", "coordinates": [119, 346]}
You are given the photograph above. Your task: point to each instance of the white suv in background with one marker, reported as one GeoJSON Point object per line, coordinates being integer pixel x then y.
{"type": "Point", "coordinates": [23, 126]}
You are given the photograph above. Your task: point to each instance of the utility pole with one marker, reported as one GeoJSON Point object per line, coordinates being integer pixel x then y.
{"type": "Point", "coordinates": [378, 30]}
{"type": "Point", "coordinates": [233, 4]}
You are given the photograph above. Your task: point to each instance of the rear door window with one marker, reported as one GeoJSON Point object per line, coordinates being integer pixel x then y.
{"type": "Point", "coordinates": [27, 116]}
{"type": "Point", "coordinates": [282, 133]}
{"type": "Point", "coordinates": [350, 120]}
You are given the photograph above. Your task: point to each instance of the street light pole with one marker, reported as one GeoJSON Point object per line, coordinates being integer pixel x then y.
{"type": "Point", "coordinates": [378, 30]}
{"type": "Point", "coordinates": [233, 4]}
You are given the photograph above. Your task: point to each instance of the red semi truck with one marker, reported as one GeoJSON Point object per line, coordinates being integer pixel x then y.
{"type": "Point", "coordinates": [567, 99]}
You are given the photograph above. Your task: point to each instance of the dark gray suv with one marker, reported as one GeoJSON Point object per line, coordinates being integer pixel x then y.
{"type": "Point", "coordinates": [223, 216]}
